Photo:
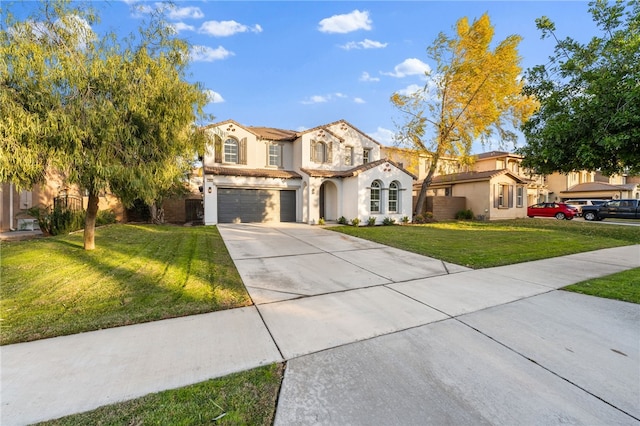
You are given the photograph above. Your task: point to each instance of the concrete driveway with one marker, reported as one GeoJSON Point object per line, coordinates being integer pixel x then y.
{"type": "Point", "coordinates": [375, 335]}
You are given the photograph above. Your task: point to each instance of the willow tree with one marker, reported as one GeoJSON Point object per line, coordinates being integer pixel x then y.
{"type": "Point", "coordinates": [474, 93]}
{"type": "Point", "coordinates": [111, 115]}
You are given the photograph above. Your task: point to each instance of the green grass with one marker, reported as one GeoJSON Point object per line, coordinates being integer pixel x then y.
{"type": "Point", "coordinates": [247, 398]}
{"type": "Point", "coordinates": [488, 244]}
{"type": "Point", "coordinates": [137, 273]}
{"type": "Point", "coordinates": [623, 286]}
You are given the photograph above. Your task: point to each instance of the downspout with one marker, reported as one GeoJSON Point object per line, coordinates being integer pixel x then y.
{"type": "Point", "coordinates": [11, 207]}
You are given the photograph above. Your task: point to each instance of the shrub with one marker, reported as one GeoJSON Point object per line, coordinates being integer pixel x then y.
{"type": "Point", "coordinates": [388, 221]}
{"type": "Point", "coordinates": [321, 221]}
{"type": "Point", "coordinates": [424, 218]}
{"type": "Point", "coordinates": [465, 215]}
{"type": "Point", "coordinates": [371, 221]}
{"type": "Point", "coordinates": [355, 221]}
{"type": "Point", "coordinates": [105, 217]}
{"type": "Point", "coordinates": [342, 220]}
{"type": "Point", "coordinates": [405, 219]}
{"type": "Point", "coordinates": [58, 220]}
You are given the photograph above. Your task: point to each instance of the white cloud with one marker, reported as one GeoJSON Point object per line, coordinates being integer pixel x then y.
{"type": "Point", "coordinates": [359, 101]}
{"type": "Point", "coordinates": [346, 23]}
{"type": "Point", "coordinates": [226, 28]}
{"type": "Point", "coordinates": [185, 13]}
{"type": "Point", "coordinates": [319, 99]}
{"type": "Point", "coordinates": [365, 44]}
{"type": "Point", "coordinates": [384, 136]}
{"type": "Point", "coordinates": [214, 97]}
{"type": "Point", "coordinates": [208, 54]}
{"type": "Point", "coordinates": [181, 26]}
{"type": "Point", "coordinates": [366, 77]}
{"type": "Point", "coordinates": [411, 89]}
{"type": "Point", "coordinates": [411, 66]}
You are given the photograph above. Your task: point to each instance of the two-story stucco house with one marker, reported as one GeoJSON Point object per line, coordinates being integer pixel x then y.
{"type": "Point", "coordinates": [262, 174]}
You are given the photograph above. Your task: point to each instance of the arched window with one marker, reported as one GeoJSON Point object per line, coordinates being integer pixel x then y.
{"type": "Point", "coordinates": [394, 198]}
{"type": "Point", "coordinates": [375, 196]}
{"type": "Point", "coordinates": [230, 151]}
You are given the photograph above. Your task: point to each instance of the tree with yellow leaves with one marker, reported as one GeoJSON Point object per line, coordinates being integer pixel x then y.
{"type": "Point", "coordinates": [474, 93]}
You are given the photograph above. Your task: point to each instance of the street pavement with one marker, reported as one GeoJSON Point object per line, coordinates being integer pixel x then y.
{"type": "Point", "coordinates": [371, 335]}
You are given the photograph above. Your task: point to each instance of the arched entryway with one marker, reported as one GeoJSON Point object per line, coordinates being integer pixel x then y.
{"type": "Point", "coordinates": [328, 201]}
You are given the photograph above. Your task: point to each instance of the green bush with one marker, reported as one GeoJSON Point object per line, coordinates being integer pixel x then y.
{"type": "Point", "coordinates": [58, 220]}
{"type": "Point", "coordinates": [465, 215]}
{"type": "Point", "coordinates": [342, 220]}
{"type": "Point", "coordinates": [424, 218]}
{"type": "Point", "coordinates": [405, 219]}
{"type": "Point", "coordinates": [387, 221]}
{"type": "Point", "coordinates": [355, 221]}
{"type": "Point", "coordinates": [321, 221]}
{"type": "Point", "coordinates": [371, 221]}
{"type": "Point", "coordinates": [105, 217]}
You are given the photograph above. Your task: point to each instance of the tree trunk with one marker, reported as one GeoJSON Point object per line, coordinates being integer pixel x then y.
{"type": "Point", "coordinates": [90, 222]}
{"type": "Point", "coordinates": [422, 195]}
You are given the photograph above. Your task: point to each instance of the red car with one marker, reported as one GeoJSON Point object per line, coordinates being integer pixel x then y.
{"type": "Point", "coordinates": [558, 210]}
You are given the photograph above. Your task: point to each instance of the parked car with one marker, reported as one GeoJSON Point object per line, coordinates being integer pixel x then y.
{"type": "Point", "coordinates": [558, 210]}
{"type": "Point", "coordinates": [584, 202]}
{"type": "Point", "coordinates": [622, 209]}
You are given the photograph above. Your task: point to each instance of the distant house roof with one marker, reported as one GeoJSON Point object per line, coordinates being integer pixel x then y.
{"type": "Point", "coordinates": [467, 177]}
{"type": "Point", "coordinates": [599, 187]}
{"type": "Point", "coordinates": [352, 172]}
{"type": "Point", "coordinates": [238, 171]}
{"type": "Point", "coordinates": [493, 154]}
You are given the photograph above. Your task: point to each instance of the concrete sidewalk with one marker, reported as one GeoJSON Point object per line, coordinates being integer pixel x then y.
{"type": "Point", "coordinates": [372, 335]}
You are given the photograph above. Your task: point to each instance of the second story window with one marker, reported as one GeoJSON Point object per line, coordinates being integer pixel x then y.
{"type": "Point", "coordinates": [320, 152]}
{"type": "Point", "coordinates": [348, 156]}
{"type": "Point", "coordinates": [275, 155]}
{"type": "Point", "coordinates": [366, 156]}
{"type": "Point", "coordinates": [230, 151]}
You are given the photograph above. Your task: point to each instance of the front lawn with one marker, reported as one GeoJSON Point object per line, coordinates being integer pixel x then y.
{"type": "Point", "coordinates": [623, 286]}
{"type": "Point", "coordinates": [137, 273]}
{"type": "Point", "coordinates": [246, 398]}
{"type": "Point", "coordinates": [488, 244]}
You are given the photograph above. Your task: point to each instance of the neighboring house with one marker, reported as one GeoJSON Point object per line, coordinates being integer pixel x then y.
{"type": "Point", "coordinates": [262, 174]}
{"type": "Point", "coordinates": [591, 185]}
{"type": "Point", "coordinates": [489, 194]}
{"type": "Point", "coordinates": [15, 205]}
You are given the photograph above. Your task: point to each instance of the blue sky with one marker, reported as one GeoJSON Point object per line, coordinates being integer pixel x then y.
{"type": "Point", "coordinates": [299, 64]}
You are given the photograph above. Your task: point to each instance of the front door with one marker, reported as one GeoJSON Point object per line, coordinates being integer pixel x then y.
{"type": "Point", "coordinates": [321, 201]}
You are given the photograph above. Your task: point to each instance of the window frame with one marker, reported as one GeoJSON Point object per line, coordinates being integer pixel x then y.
{"type": "Point", "coordinates": [348, 156]}
{"type": "Point", "coordinates": [278, 155]}
{"type": "Point", "coordinates": [227, 156]}
{"type": "Point", "coordinates": [393, 200]}
{"type": "Point", "coordinates": [520, 196]}
{"type": "Point", "coordinates": [366, 155]}
{"type": "Point", "coordinates": [375, 189]}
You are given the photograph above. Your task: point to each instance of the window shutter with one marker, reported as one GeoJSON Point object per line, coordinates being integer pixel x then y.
{"type": "Point", "coordinates": [496, 195]}
{"type": "Point", "coordinates": [242, 151]}
{"type": "Point", "coordinates": [217, 149]}
{"type": "Point", "coordinates": [329, 152]}
{"type": "Point", "coordinates": [313, 151]}
{"type": "Point", "coordinates": [510, 196]}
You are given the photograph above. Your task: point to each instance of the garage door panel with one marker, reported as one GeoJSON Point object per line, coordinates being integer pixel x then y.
{"type": "Point", "coordinates": [255, 205]}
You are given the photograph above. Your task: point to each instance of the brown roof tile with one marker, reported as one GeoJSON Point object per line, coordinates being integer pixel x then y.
{"type": "Point", "coordinates": [239, 171]}
{"type": "Point", "coordinates": [473, 177]}
{"type": "Point", "coordinates": [352, 172]}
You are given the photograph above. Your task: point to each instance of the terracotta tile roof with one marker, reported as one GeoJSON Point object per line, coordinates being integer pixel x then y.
{"type": "Point", "coordinates": [274, 134]}
{"type": "Point", "coordinates": [325, 127]}
{"type": "Point", "coordinates": [352, 172]}
{"type": "Point", "coordinates": [239, 171]}
{"type": "Point", "coordinates": [473, 177]}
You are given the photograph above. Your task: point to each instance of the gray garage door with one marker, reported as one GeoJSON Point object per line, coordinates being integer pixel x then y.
{"type": "Point", "coordinates": [256, 205]}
